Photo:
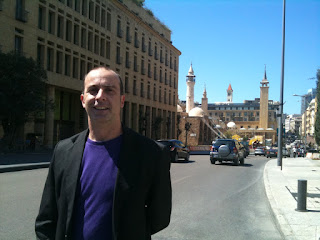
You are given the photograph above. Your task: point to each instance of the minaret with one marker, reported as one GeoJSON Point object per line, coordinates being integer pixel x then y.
{"type": "Point", "coordinates": [204, 101]}
{"type": "Point", "coordinates": [191, 79]}
{"type": "Point", "coordinates": [264, 100]}
{"type": "Point", "coordinates": [229, 94]}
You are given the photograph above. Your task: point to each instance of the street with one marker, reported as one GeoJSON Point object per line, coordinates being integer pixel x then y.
{"type": "Point", "coordinates": [209, 202]}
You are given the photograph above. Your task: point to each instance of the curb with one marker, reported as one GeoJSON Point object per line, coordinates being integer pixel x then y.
{"type": "Point", "coordinates": [281, 221]}
{"type": "Point", "coordinates": [21, 167]}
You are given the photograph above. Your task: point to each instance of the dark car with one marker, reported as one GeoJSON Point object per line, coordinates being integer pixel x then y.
{"type": "Point", "coordinates": [177, 149]}
{"type": "Point", "coordinates": [227, 150]}
{"type": "Point", "coordinates": [259, 151]}
{"type": "Point", "coordinates": [272, 152]}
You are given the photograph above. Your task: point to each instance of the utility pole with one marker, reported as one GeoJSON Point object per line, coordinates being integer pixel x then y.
{"type": "Point", "coordinates": [280, 137]}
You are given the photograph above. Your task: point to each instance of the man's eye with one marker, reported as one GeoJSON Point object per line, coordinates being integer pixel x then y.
{"type": "Point", "coordinates": [93, 91]}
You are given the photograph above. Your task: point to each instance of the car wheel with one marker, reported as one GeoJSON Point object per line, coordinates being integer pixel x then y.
{"type": "Point", "coordinates": [242, 161]}
{"type": "Point", "coordinates": [187, 158]}
{"type": "Point", "coordinates": [176, 157]}
{"type": "Point", "coordinates": [236, 161]}
{"type": "Point", "coordinates": [213, 161]}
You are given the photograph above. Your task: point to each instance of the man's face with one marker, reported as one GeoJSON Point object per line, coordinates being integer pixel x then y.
{"type": "Point", "coordinates": [101, 97]}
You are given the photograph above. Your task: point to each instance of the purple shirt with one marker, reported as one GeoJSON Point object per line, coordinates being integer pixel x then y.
{"type": "Point", "coordinates": [93, 205]}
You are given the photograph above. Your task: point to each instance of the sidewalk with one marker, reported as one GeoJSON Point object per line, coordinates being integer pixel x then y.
{"type": "Point", "coordinates": [281, 188]}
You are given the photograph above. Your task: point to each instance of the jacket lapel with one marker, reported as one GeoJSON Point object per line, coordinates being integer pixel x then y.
{"type": "Point", "coordinates": [74, 159]}
{"type": "Point", "coordinates": [128, 171]}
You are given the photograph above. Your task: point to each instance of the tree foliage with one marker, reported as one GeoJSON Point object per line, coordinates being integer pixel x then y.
{"type": "Point", "coordinates": [317, 122]}
{"type": "Point", "coordinates": [22, 92]}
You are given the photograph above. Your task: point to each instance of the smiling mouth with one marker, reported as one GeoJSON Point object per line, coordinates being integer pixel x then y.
{"type": "Point", "coordinates": [101, 108]}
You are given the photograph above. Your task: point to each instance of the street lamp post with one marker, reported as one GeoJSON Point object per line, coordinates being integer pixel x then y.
{"type": "Point", "coordinates": [187, 126]}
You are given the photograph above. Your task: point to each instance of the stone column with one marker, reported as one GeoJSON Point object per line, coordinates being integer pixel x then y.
{"type": "Point", "coordinates": [49, 117]}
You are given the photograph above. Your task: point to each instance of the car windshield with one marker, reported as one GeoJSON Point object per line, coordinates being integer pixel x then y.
{"type": "Point", "coordinates": [218, 143]}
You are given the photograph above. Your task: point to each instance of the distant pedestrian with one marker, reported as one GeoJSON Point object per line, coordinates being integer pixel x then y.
{"type": "Point", "coordinates": [294, 150]}
{"type": "Point", "coordinates": [107, 182]}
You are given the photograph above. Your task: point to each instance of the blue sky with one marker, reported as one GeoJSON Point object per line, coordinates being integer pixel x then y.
{"type": "Point", "coordinates": [230, 41]}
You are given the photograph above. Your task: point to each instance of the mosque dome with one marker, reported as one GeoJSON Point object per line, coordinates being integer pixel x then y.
{"type": "Point", "coordinates": [196, 112]}
{"type": "Point", "coordinates": [179, 108]}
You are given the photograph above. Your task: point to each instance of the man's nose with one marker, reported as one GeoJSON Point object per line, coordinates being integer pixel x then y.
{"type": "Point", "coordinates": [101, 95]}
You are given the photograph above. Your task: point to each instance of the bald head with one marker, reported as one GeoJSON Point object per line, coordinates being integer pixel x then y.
{"type": "Point", "coordinates": [106, 69]}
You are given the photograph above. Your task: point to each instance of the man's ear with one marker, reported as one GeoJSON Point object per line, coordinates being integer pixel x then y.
{"type": "Point", "coordinates": [122, 99]}
{"type": "Point", "coordinates": [82, 100]}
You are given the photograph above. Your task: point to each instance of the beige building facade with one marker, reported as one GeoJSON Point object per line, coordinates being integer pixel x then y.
{"type": "Point", "coordinates": [307, 129]}
{"type": "Point", "coordinates": [68, 38]}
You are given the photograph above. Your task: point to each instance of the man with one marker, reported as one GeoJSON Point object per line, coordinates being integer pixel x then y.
{"type": "Point", "coordinates": [107, 182]}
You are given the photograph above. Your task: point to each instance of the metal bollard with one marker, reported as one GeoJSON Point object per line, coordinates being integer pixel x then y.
{"type": "Point", "coordinates": [302, 196]}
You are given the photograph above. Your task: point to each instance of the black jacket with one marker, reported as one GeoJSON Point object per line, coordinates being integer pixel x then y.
{"type": "Point", "coordinates": [142, 196]}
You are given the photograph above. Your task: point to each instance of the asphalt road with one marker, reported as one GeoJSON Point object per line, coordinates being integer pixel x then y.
{"type": "Point", "coordinates": [209, 202]}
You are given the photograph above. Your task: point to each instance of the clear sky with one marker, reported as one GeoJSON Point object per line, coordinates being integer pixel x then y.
{"type": "Point", "coordinates": [230, 41]}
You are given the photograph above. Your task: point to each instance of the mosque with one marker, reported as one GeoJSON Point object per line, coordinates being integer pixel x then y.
{"type": "Point", "coordinates": [254, 121]}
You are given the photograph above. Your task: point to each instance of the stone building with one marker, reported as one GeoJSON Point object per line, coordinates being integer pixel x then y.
{"type": "Point", "coordinates": [253, 119]}
{"type": "Point", "coordinates": [68, 38]}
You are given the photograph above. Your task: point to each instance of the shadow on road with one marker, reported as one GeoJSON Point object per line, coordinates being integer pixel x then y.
{"type": "Point", "coordinates": [183, 161]}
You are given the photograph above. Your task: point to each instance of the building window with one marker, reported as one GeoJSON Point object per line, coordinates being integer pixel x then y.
{"type": "Point", "coordinates": [21, 13]}
{"type": "Point", "coordinates": [90, 41]}
{"type": "Point", "coordinates": [82, 69]}
{"type": "Point", "coordinates": [84, 7]}
{"type": "Point", "coordinates": [136, 41]}
{"type": "Point", "coordinates": [40, 55]}
{"type": "Point", "coordinates": [96, 44]}
{"type": "Point", "coordinates": [97, 15]}
{"type": "Point", "coordinates": [60, 27]}
{"type": "Point", "coordinates": [91, 10]}
{"type": "Point", "coordinates": [103, 18]}
{"type": "Point", "coordinates": [108, 50]}
{"type": "Point", "coordinates": [126, 84]}
{"type": "Point", "coordinates": [41, 18]}
{"type": "Point", "coordinates": [118, 57]}
{"type": "Point", "coordinates": [50, 59]}
{"type": "Point", "coordinates": [102, 47]}
{"type": "Point", "coordinates": [68, 30]}
{"type": "Point", "coordinates": [108, 21]}
{"type": "Point", "coordinates": [127, 60]}
{"type": "Point", "coordinates": [18, 48]}
{"type": "Point", "coordinates": [51, 19]}
{"type": "Point", "coordinates": [119, 30]}
{"type": "Point", "coordinates": [76, 34]}
{"type": "Point", "coordinates": [83, 37]}
{"type": "Point", "coordinates": [141, 89]}
{"type": "Point", "coordinates": [75, 68]}
{"type": "Point", "coordinates": [134, 87]}
{"type": "Point", "coordinates": [128, 36]}
{"type": "Point", "coordinates": [67, 64]}
{"type": "Point", "coordinates": [59, 62]}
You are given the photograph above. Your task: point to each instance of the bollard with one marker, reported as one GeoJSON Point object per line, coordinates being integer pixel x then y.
{"type": "Point", "coordinates": [302, 196]}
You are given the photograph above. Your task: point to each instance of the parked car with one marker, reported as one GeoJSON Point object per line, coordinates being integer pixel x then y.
{"type": "Point", "coordinates": [177, 149]}
{"type": "Point", "coordinates": [272, 152]}
{"type": "Point", "coordinates": [227, 150]}
{"type": "Point", "coordinates": [285, 152]}
{"type": "Point", "coordinates": [259, 151]}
